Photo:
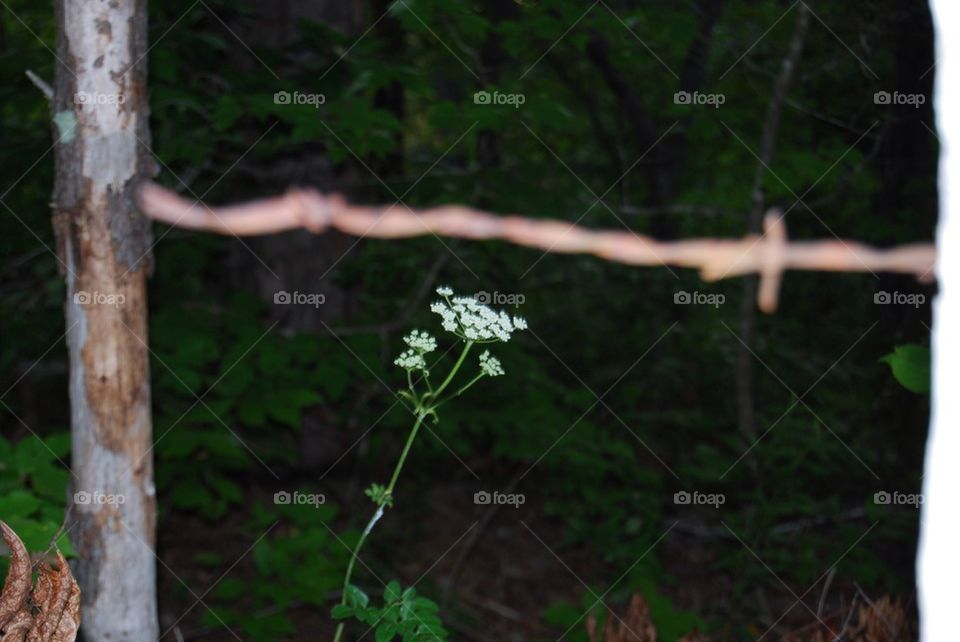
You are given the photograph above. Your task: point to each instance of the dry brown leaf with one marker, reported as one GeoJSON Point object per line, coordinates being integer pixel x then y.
{"type": "Point", "coordinates": [51, 612]}
{"type": "Point", "coordinates": [634, 626]}
{"type": "Point", "coordinates": [885, 620]}
{"type": "Point", "coordinates": [16, 588]}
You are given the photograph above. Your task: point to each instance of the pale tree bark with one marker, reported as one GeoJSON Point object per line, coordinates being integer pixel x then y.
{"type": "Point", "coordinates": [101, 126]}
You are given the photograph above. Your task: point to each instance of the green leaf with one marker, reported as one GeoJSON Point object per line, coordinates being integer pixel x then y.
{"type": "Point", "coordinates": [910, 364]}
{"type": "Point", "coordinates": [19, 503]}
{"type": "Point", "coordinates": [59, 444]}
{"type": "Point", "coordinates": [51, 483]}
{"type": "Point", "coordinates": [356, 597]}
{"type": "Point", "coordinates": [226, 113]}
{"type": "Point", "coordinates": [386, 631]}
{"type": "Point", "coordinates": [391, 593]}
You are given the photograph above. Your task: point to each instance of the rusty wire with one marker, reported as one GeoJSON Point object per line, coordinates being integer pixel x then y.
{"type": "Point", "coordinates": [768, 254]}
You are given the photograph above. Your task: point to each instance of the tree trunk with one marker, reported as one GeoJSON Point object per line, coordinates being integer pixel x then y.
{"type": "Point", "coordinates": [101, 117]}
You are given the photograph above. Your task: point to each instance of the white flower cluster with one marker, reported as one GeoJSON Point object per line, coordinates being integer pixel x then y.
{"type": "Point", "coordinates": [474, 321]}
{"type": "Point", "coordinates": [420, 344]}
{"type": "Point", "coordinates": [411, 360]}
{"type": "Point", "coordinates": [490, 365]}
{"type": "Point", "coordinates": [421, 341]}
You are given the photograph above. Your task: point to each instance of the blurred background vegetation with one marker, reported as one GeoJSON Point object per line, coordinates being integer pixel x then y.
{"type": "Point", "coordinates": [616, 399]}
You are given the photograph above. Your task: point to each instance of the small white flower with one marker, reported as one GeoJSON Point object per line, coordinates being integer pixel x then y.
{"type": "Point", "coordinates": [474, 321]}
{"type": "Point", "coordinates": [411, 360]}
{"type": "Point", "coordinates": [490, 365]}
{"type": "Point", "coordinates": [421, 341]}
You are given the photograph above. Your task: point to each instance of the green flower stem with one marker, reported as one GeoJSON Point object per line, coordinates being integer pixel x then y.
{"type": "Point", "coordinates": [453, 371]}
{"type": "Point", "coordinates": [353, 560]}
{"type": "Point", "coordinates": [406, 451]}
{"type": "Point", "coordinates": [469, 383]}
{"type": "Point", "coordinates": [461, 390]}
{"type": "Point", "coordinates": [421, 415]}
{"type": "Point", "coordinates": [421, 411]}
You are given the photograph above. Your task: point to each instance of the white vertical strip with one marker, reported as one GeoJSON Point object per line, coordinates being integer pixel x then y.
{"type": "Point", "coordinates": [938, 563]}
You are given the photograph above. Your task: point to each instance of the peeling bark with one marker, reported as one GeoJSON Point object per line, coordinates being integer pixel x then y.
{"type": "Point", "coordinates": [101, 112]}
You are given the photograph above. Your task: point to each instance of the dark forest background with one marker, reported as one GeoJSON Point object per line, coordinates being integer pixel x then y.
{"type": "Point", "coordinates": [616, 399]}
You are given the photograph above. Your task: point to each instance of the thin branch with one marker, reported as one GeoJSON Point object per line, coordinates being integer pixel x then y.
{"type": "Point", "coordinates": [746, 411]}
{"type": "Point", "coordinates": [768, 255]}
{"type": "Point", "coordinates": [40, 84]}
{"type": "Point", "coordinates": [771, 123]}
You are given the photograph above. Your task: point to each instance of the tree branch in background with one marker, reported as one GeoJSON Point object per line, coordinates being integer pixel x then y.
{"type": "Point", "coordinates": [769, 255]}
{"type": "Point", "coordinates": [695, 63]}
{"type": "Point", "coordinates": [746, 410]}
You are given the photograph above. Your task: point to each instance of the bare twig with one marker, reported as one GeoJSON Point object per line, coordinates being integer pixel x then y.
{"type": "Point", "coordinates": [716, 258]}
{"type": "Point", "coordinates": [40, 84]}
{"type": "Point", "coordinates": [826, 589]}
{"type": "Point", "coordinates": [746, 406]}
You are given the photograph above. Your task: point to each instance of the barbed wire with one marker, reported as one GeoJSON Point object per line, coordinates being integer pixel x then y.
{"type": "Point", "coordinates": [769, 254]}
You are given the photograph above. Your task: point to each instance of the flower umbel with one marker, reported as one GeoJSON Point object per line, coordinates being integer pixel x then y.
{"type": "Point", "coordinates": [473, 321]}
{"type": "Point", "coordinates": [490, 365]}
{"type": "Point", "coordinates": [421, 341]}
{"type": "Point", "coordinates": [411, 360]}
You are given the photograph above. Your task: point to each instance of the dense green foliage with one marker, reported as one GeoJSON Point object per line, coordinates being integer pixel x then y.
{"type": "Point", "coordinates": [618, 397]}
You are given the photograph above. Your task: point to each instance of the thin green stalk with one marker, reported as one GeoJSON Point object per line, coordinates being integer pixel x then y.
{"type": "Point", "coordinates": [353, 560]}
{"type": "Point", "coordinates": [421, 413]}
{"type": "Point", "coordinates": [403, 455]}
{"type": "Point", "coordinates": [462, 390]}
{"type": "Point", "coordinates": [376, 517]}
{"type": "Point", "coordinates": [453, 371]}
